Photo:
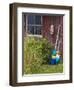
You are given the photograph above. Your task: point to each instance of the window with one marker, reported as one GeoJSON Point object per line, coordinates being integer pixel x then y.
{"type": "Point", "coordinates": [34, 25]}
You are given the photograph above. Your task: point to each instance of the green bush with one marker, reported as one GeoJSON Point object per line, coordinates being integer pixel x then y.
{"type": "Point", "coordinates": [36, 52]}
{"type": "Point", "coordinates": [46, 50]}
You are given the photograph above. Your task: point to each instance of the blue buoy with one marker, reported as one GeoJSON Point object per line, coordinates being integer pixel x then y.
{"type": "Point", "coordinates": [57, 58]}
{"type": "Point", "coordinates": [53, 61]}
{"type": "Point", "coordinates": [54, 52]}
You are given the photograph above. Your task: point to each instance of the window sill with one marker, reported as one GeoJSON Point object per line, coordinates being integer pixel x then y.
{"type": "Point", "coordinates": [30, 35]}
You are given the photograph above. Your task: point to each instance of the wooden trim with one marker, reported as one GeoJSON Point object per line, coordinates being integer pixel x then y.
{"type": "Point", "coordinates": [13, 45]}
{"type": "Point", "coordinates": [42, 6]}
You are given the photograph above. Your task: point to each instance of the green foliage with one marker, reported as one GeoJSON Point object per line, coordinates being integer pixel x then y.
{"type": "Point", "coordinates": [46, 50]}
{"type": "Point", "coordinates": [32, 55]}
{"type": "Point", "coordinates": [36, 52]}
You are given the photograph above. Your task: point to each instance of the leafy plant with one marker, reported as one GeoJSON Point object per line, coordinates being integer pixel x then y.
{"type": "Point", "coordinates": [46, 50]}
{"type": "Point", "coordinates": [36, 52]}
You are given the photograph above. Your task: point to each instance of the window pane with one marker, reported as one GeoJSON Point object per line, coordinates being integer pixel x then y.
{"type": "Point", "coordinates": [35, 31]}
{"type": "Point", "coordinates": [31, 19]}
{"type": "Point", "coordinates": [37, 19]}
{"type": "Point", "coordinates": [38, 30]}
{"type": "Point", "coordinates": [30, 30]}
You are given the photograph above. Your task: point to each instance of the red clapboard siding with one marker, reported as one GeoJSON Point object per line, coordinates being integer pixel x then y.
{"type": "Point", "coordinates": [47, 22]}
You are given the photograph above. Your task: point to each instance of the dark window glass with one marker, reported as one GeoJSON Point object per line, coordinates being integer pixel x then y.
{"type": "Point", "coordinates": [30, 19]}
{"type": "Point", "coordinates": [31, 30]}
{"type": "Point", "coordinates": [35, 31]}
{"type": "Point", "coordinates": [38, 30]}
{"type": "Point", "coordinates": [37, 19]}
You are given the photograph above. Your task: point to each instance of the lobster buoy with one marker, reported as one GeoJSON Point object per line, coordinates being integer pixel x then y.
{"type": "Point", "coordinates": [55, 57]}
